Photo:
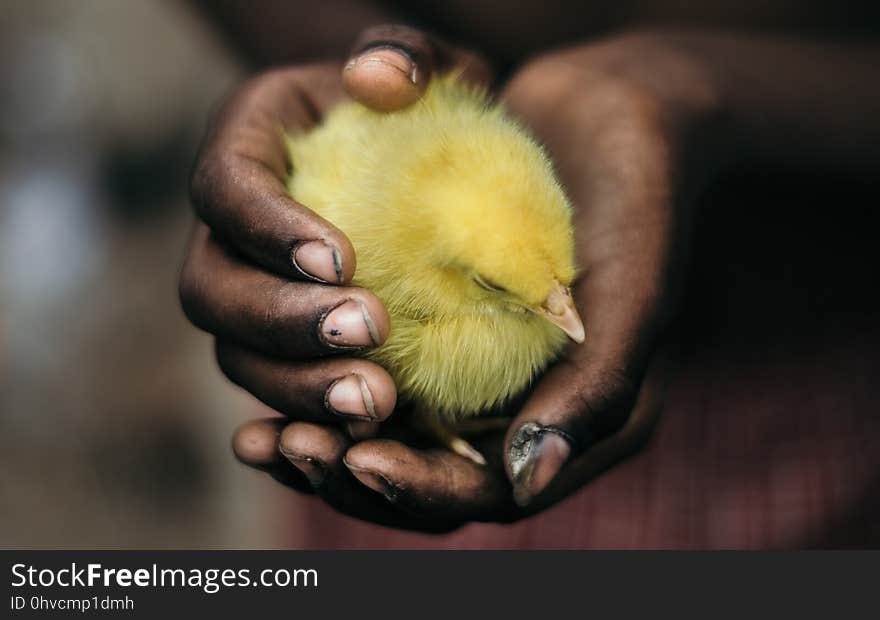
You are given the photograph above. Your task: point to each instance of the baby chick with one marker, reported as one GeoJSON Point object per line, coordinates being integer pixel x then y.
{"type": "Point", "coordinates": [462, 230]}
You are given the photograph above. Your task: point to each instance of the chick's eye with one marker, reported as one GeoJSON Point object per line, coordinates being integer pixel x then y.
{"type": "Point", "coordinates": [488, 285]}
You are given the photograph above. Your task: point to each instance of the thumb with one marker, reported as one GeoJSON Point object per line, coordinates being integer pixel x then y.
{"type": "Point", "coordinates": [575, 405]}
{"type": "Point", "coordinates": [390, 66]}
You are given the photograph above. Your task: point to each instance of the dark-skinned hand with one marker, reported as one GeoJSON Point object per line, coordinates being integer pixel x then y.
{"type": "Point", "coordinates": [269, 279]}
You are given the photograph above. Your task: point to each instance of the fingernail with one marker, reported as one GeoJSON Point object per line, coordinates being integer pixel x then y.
{"type": "Point", "coordinates": [311, 469]}
{"type": "Point", "coordinates": [374, 481]}
{"type": "Point", "coordinates": [320, 261]}
{"type": "Point", "coordinates": [350, 396]}
{"type": "Point", "coordinates": [349, 325]}
{"type": "Point", "coordinates": [385, 59]}
{"type": "Point", "coordinates": [537, 453]}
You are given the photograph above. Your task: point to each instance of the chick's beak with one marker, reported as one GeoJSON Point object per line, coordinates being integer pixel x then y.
{"type": "Point", "coordinates": [559, 309]}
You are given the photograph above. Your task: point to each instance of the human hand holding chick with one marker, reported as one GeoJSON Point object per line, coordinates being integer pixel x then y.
{"type": "Point", "coordinates": [593, 408]}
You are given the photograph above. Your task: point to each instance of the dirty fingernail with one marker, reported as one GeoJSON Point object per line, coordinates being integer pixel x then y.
{"type": "Point", "coordinates": [384, 79]}
{"type": "Point", "coordinates": [350, 396]}
{"type": "Point", "coordinates": [374, 481]}
{"type": "Point", "coordinates": [349, 325]}
{"type": "Point", "coordinates": [311, 469]}
{"type": "Point", "coordinates": [320, 261]}
{"type": "Point", "coordinates": [537, 453]}
{"type": "Point", "coordinates": [385, 60]}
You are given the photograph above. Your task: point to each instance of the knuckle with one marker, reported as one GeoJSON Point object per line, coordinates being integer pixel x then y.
{"type": "Point", "coordinates": [277, 313]}
{"type": "Point", "coordinates": [210, 182]}
{"type": "Point", "coordinates": [613, 385]}
{"type": "Point", "coordinates": [203, 182]}
{"type": "Point", "coordinates": [572, 80]}
{"type": "Point", "coordinates": [604, 400]}
{"type": "Point", "coordinates": [544, 82]}
{"type": "Point", "coordinates": [289, 321]}
{"type": "Point", "coordinates": [190, 293]}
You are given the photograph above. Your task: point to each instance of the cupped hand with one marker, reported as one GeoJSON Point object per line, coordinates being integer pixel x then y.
{"type": "Point", "coordinates": [267, 276]}
{"type": "Point", "coordinates": [620, 138]}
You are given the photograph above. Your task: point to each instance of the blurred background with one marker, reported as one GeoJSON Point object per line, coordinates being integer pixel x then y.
{"type": "Point", "coordinates": [115, 422]}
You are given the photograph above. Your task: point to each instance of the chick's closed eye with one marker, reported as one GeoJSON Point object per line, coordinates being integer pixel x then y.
{"type": "Point", "coordinates": [486, 284]}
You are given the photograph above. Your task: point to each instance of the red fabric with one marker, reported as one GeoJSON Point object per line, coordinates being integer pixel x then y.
{"type": "Point", "coordinates": [771, 431]}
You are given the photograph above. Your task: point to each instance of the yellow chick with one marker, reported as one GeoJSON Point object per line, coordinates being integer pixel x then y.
{"type": "Point", "coordinates": [462, 230]}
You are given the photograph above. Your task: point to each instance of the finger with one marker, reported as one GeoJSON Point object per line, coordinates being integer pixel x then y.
{"type": "Point", "coordinates": [431, 483]}
{"type": "Point", "coordinates": [611, 450]}
{"type": "Point", "coordinates": [318, 451]}
{"type": "Point", "coordinates": [390, 66]}
{"type": "Point", "coordinates": [233, 300]}
{"type": "Point", "coordinates": [314, 450]}
{"type": "Point", "coordinates": [255, 444]}
{"type": "Point", "coordinates": [329, 390]}
{"type": "Point", "coordinates": [625, 298]}
{"type": "Point", "coordinates": [630, 243]}
{"type": "Point", "coordinates": [238, 186]}
{"type": "Point", "coordinates": [577, 415]}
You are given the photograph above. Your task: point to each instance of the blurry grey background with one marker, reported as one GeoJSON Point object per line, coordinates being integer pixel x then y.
{"type": "Point", "coordinates": [114, 425]}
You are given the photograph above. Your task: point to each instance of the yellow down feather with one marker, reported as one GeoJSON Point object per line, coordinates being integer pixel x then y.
{"type": "Point", "coordinates": [459, 225]}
